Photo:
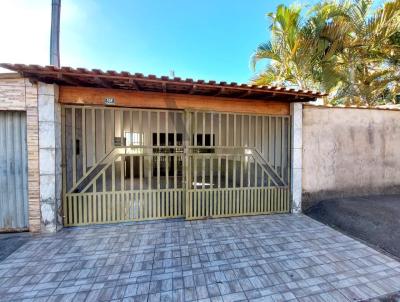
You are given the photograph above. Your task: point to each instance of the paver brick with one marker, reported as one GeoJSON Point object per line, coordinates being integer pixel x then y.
{"type": "Point", "coordinates": [265, 258]}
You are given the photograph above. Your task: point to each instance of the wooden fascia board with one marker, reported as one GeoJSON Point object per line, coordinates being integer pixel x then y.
{"type": "Point", "coordinates": [96, 96]}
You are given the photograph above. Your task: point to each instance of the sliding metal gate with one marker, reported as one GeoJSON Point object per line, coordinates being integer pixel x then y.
{"type": "Point", "coordinates": [125, 164]}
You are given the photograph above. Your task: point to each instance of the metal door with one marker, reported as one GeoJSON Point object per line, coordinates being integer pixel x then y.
{"type": "Point", "coordinates": [13, 171]}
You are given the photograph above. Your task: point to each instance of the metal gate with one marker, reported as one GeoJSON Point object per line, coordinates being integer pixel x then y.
{"type": "Point", "coordinates": [238, 164]}
{"type": "Point", "coordinates": [13, 171]}
{"type": "Point", "coordinates": [125, 164]}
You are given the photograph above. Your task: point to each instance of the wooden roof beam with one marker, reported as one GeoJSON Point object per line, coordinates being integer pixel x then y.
{"type": "Point", "coordinates": [193, 90]}
{"type": "Point", "coordinates": [275, 96]}
{"type": "Point", "coordinates": [244, 94]}
{"type": "Point", "coordinates": [133, 83]}
{"type": "Point", "coordinates": [103, 83]}
{"type": "Point", "coordinates": [32, 80]}
{"type": "Point", "coordinates": [220, 92]}
{"type": "Point", "coordinates": [68, 80]}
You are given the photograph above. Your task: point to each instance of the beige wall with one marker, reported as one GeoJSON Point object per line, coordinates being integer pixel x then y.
{"type": "Point", "coordinates": [348, 151]}
{"type": "Point", "coordinates": [19, 94]}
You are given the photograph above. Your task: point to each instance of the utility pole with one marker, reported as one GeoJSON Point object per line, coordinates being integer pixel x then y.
{"type": "Point", "coordinates": [55, 33]}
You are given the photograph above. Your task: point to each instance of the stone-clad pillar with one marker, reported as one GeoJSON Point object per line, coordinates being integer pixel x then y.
{"type": "Point", "coordinates": [50, 157]}
{"type": "Point", "coordinates": [296, 111]}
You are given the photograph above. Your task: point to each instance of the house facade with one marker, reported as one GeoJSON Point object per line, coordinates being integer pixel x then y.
{"type": "Point", "coordinates": [103, 147]}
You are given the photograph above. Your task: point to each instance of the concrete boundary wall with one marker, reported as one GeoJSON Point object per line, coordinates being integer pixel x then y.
{"type": "Point", "coordinates": [349, 152]}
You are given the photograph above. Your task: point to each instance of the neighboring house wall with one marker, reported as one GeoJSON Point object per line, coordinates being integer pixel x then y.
{"type": "Point", "coordinates": [43, 115]}
{"type": "Point", "coordinates": [18, 94]}
{"type": "Point", "coordinates": [349, 151]}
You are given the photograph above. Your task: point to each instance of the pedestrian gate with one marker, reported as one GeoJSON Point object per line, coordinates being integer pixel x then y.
{"type": "Point", "coordinates": [125, 164]}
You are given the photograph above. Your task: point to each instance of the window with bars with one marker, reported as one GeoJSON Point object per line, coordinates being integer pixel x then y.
{"type": "Point", "coordinates": [133, 138]}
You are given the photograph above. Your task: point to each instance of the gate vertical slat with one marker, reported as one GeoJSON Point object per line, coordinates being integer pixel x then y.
{"type": "Point", "coordinates": [105, 204]}
{"type": "Point", "coordinates": [142, 201]}
{"type": "Point", "coordinates": [93, 112]}
{"type": "Point", "coordinates": [64, 172]}
{"type": "Point", "coordinates": [282, 146]}
{"type": "Point", "coordinates": [5, 205]}
{"type": "Point", "coordinates": [100, 208]}
{"type": "Point", "coordinates": [175, 158]}
{"type": "Point", "coordinates": [73, 147]}
{"type": "Point", "coordinates": [124, 198]}
{"type": "Point", "coordinates": [16, 184]}
{"type": "Point", "coordinates": [131, 175]}
{"type": "Point", "coordinates": [75, 206]}
{"type": "Point", "coordinates": [84, 165]}
{"type": "Point", "coordinates": [117, 206]}
{"type": "Point", "coordinates": [12, 170]}
{"type": "Point", "coordinates": [89, 209]}
{"type": "Point", "coordinates": [203, 140]}
{"type": "Point", "coordinates": [83, 210]}
{"type": "Point", "coordinates": [104, 136]}
{"type": "Point", "coordinates": [166, 157]}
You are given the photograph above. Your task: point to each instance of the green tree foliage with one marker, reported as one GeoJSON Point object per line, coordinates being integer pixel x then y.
{"type": "Point", "coordinates": [344, 48]}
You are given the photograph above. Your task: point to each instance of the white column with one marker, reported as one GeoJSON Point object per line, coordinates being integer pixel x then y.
{"type": "Point", "coordinates": [49, 157]}
{"type": "Point", "coordinates": [296, 111]}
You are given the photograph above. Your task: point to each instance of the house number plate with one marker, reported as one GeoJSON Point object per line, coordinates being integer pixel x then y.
{"type": "Point", "coordinates": [109, 101]}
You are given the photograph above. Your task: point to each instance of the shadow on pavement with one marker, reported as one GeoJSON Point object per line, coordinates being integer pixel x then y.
{"type": "Point", "coordinates": [10, 242]}
{"type": "Point", "coordinates": [373, 219]}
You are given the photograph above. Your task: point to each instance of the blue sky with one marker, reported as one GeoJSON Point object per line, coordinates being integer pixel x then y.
{"type": "Point", "coordinates": [207, 39]}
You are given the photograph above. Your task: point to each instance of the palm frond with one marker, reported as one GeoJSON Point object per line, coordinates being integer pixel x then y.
{"type": "Point", "coordinates": [264, 51]}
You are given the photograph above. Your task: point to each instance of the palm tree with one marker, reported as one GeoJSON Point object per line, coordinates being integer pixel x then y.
{"type": "Point", "coordinates": [366, 62]}
{"type": "Point", "coordinates": [296, 50]}
{"type": "Point", "coordinates": [339, 48]}
{"type": "Point", "coordinates": [283, 50]}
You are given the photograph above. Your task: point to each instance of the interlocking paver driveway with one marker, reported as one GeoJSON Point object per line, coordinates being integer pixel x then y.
{"type": "Point", "coordinates": [265, 258]}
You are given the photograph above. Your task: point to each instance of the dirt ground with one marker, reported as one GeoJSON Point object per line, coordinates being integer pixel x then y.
{"type": "Point", "coordinates": [373, 219]}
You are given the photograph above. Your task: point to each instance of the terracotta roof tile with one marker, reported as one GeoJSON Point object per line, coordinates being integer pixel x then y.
{"type": "Point", "coordinates": [138, 81]}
